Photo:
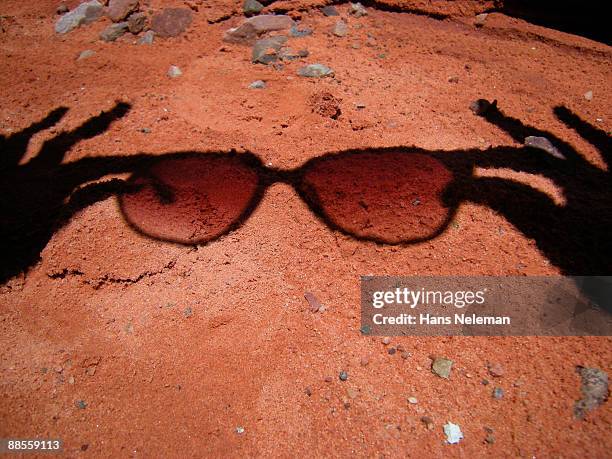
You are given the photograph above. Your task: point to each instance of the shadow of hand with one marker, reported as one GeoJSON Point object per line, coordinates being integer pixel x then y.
{"type": "Point", "coordinates": [39, 196]}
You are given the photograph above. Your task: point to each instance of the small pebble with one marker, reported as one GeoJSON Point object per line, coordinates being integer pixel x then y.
{"type": "Point", "coordinates": [357, 10]}
{"type": "Point", "coordinates": [479, 21]}
{"type": "Point", "coordinates": [498, 393]}
{"type": "Point", "coordinates": [442, 367]}
{"type": "Point", "coordinates": [251, 7]}
{"type": "Point", "coordinates": [329, 11]}
{"type": "Point", "coordinates": [412, 400]}
{"type": "Point", "coordinates": [495, 369]}
{"type": "Point", "coordinates": [405, 355]}
{"type": "Point", "coordinates": [188, 312]}
{"type": "Point", "coordinates": [315, 71]}
{"type": "Point", "coordinates": [453, 79]}
{"type": "Point", "coordinates": [308, 391]}
{"type": "Point", "coordinates": [340, 29]}
{"type": "Point", "coordinates": [588, 95]}
{"type": "Point", "coordinates": [391, 351]}
{"type": "Point", "coordinates": [453, 433]}
{"type": "Point", "coordinates": [485, 382]}
{"type": "Point", "coordinates": [80, 404]}
{"type": "Point", "coordinates": [174, 71]}
{"type": "Point", "coordinates": [386, 340]}
{"type": "Point", "coordinates": [85, 54]}
{"type": "Point", "coordinates": [328, 379]}
{"type": "Point", "coordinates": [239, 430]}
{"type": "Point", "coordinates": [71, 380]}
{"type": "Point", "coordinates": [147, 38]}
{"type": "Point", "coordinates": [343, 376]}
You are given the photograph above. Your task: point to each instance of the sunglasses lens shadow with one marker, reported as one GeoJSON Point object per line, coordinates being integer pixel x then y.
{"type": "Point", "coordinates": [190, 200]}
{"type": "Point", "coordinates": [390, 197]}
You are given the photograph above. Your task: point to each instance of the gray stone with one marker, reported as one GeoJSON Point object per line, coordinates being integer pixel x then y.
{"type": "Point", "coordinates": [340, 29]}
{"type": "Point", "coordinates": [137, 22]}
{"type": "Point", "coordinates": [118, 10]}
{"type": "Point", "coordinates": [83, 14]}
{"type": "Point", "coordinates": [171, 22]}
{"type": "Point", "coordinates": [147, 38]}
{"type": "Point", "coordinates": [297, 33]}
{"type": "Point", "coordinates": [286, 54]}
{"type": "Point", "coordinates": [498, 393]}
{"type": "Point", "coordinates": [357, 10]}
{"type": "Point", "coordinates": [114, 31]}
{"type": "Point", "coordinates": [594, 388]}
{"type": "Point", "coordinates": [259, 84]}
{"type": "Point", "coordinates": [442, 367]}
{"type": "Point", "coordinates": [260, 49]}
{"type": "Point", "coordinates": [80, 404]}
{"type": "Point", "coordinates": [542, 143]}
{"type": "Point", "coordinates": [330, 11]}
{"type": "Point", "coordinates": [343, 376]}
{"type": "Point", "coordinates": [248, 31]}
{"type": "Point", "coordinates": [251, 7]}
{"type": "Point", "coordinates": [174, 71]}
{"type": "Point", "coordinates": [85, 54]}
{"type": "Point", "coordinates": [315, 71]}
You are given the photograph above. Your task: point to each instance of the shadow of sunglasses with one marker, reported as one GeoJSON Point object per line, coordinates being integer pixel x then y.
{"type": "Point", "coordinates": [392, 196]}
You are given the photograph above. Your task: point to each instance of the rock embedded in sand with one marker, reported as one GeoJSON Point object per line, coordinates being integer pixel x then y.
{"type": "Point", "coordinates": [542, 143]}
{"type": "Point", "coordinates": [85, 54]}
{"type": "Point", "coordinates": [594, 388]}
{"type": "Point", "coordinates": [495, 369]}
{"type": "Point", "coordinates": [343, 376]}
{"type": "Point", "coordinates": [442, 367]}
{"type": "Point", "coordinates": [250, 29]}
{"type": "Point", "coordinates": [588, 95]}
{"type": "Point", "coordinates": [453, 433]}
{"type": "Point", "coordinates": [315, 71]}
{"type": "Point", "coordinates": [171, 22]}
{"type": "Point", "coordinates": [340, 29]}
{"type": "Point", "coordinates": [358, 10]}
{"type": "Point", "coordinates": [174, 71]}
{"type": "Point", "coordinates": [118, 10]}
{"type": "Point", "coordinates": [299, 33]}
{"type": "Point", "coordinates": [147, 38]}
{"type": "Point", "coordinates": [85, 13]}
{"type": "Point", "coordinates": [479, 20]}
{"type": "Point", "coordinates": [114, 31]}
{"type": "Point", "coordinates": [258, 84]}
{"type": "Point", "coordinates": [251, 7]}
{"type": "Point", "coordinates": [329, 11]}
{"type": "Point", "coordinates": [260, 49]}
{"type": "Point", "coordinates": [137, 22]}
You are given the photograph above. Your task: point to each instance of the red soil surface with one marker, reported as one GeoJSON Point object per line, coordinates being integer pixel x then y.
{"type": "Point", "coordinates": [173, 347]}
